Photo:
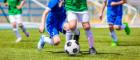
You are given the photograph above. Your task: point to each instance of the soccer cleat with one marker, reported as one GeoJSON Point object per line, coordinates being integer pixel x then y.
{"type": "Point", "coordinates": [41, 43]}
{"type": "Point", "coordinates": [27, 34]}
{"type": "Point", "coordinates": [113, 44]}
{"type": "Point", "coordinates": [18, 39]}
{"type": "Point", "coordinates": [92, 51]}
{"type": "Point", "coordinates": [127, 29]}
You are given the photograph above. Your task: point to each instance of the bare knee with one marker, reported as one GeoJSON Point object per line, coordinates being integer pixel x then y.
{"type": "Point", "coordinates": [117, 27]}
{"type": "Point", "coordinates": [86, 26]}
{"type": "Point", "coordinates": [73, 24]}
{"type": "Point", "coordinates": [111, 27]}
{"type": "Point", "coordinates": [20, 25]}
{"type": "Point", "coordinates": [14, 24]}
{"type": "Point", "coordinates": [56, 40]}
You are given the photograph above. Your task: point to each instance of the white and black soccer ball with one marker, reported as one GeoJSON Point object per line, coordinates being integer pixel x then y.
{"type": "Point", "coordinates": [72, 47]}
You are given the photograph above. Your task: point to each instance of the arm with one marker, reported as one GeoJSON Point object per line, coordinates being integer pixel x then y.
{"type": "Point", "coordinates": [43, 19]}
{"type": "Point", "coordinates": [118, 3]}
{"type": "Point", "coordinates": [51, 4]}
{"type": "Point", "coordinates": [61, 3]}
{"type": "Point", "coordinates": [21, 4]}
{"type": "Point", "coordinates": [103, 8]}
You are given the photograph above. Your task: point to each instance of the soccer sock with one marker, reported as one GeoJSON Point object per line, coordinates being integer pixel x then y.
{"type": "Point", "coordinates": [69, 35]}
{"type": "Point", "coordinates": [114, 36]}
{"type": "Point", "coordinates": [16, 32]}
{"type": "Point", "coordinates": [76, 35]}
{"type": "Point", "coordinates": [48, 40]}
{"type": "Point", "coordinates": [23, 29]}
{"type": "Point", "coordinates": [90, 38]}
{"type": "Point", "coordinates": [123, 26]}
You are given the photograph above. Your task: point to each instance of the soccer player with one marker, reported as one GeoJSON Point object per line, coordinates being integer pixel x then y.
{"type": "Point", "coordinates": [15, 11]}
{"type": "Point", "coordinates": [77, 11]}
{"type": "Point", "coordinates": [54, 20]}
{"type": "Point", "coordinates": [114, 18]}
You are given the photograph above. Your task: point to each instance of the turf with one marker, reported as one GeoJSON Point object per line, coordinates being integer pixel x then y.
{"type": "Point", "coordinates": [128, 49]}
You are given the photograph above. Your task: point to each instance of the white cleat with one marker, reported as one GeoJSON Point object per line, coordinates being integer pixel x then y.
{"type": "Point", "coordinates": [18, 39]}
{"type": "Point", "coordinates": [41, 42]}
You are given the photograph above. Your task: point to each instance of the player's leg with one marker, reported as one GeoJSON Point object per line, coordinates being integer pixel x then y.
{"type": "Point", "coordinates": [19, 21]}
{"type": "Point", "coordinates": [76, 35]}
{"type": "Point", "coordinates": [54, 38]}
{"type": "Point", "coordinates": [15, 27]}
{"type": "Point", "coordinates": [52, 31]}
{"type": "Point", "coordinates": [69, 33]}
{"type": "Point", "coordinates": [122, 26]}
{"type": "Point", "coordinates": [111, 21]}
{"type": "Point", "coordinates": [113, 35]}
{"type": "Point", "coordinates": [84, 18]}
{"type": "Point", "coordinates": [72, 22]}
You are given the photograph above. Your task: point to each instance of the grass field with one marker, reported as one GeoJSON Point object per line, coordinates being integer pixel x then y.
{"type": "Point", "coordinates": [128, 49]}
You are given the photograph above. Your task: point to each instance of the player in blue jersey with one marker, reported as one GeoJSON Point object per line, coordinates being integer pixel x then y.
{"type": "Point", "coordinates": [54, 20]}
{"type": "Point", "coordinates": [114, 18]}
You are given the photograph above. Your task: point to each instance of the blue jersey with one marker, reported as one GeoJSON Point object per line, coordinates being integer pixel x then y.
{"type": "Point", "coordinates": [55, 9]}
{"type": "Point", "coordinates": [114, 10]}
{"type": "Point", "coordinates": [56, 18]}
{"type": "Point", "coordinates": [114, 13]}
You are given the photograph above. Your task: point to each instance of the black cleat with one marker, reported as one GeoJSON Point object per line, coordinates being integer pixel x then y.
{"type": "Point", "coordinates": [92, 51]}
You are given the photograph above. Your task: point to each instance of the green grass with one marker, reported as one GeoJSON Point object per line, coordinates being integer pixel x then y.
{"type": "Point", "coordinates": [128, 49]}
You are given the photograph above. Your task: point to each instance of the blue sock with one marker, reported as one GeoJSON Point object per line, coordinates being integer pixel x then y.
{"type": "Point", "coordinates": [114, 36]}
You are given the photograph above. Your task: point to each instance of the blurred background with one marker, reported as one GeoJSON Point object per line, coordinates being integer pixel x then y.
{"type": "Point", "coordinates": [32, 14]}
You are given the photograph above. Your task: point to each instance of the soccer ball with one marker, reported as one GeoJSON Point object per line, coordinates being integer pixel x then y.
{"type": "Point", "coordinates": [72, 47]}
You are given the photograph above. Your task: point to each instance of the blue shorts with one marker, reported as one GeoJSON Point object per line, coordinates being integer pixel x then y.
{"type": "Point", "coordinates": [114, 17]}
{"type": "Point", "coordinates": [54, 25]}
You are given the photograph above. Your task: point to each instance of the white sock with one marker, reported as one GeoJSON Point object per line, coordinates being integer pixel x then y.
{"type": "Point", "coordinates": [69, 35]}
{"type": "Point", "coordinates": [16, 32]}
{"type": "Point", "coordinates": [123, 26]}
{"type": "Point", "coordinates": [48, 40]}
{"type": "Point", "coordinates": [76, 32]}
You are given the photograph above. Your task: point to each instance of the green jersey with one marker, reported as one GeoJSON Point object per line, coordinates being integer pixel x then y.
{"type": "Point", "coordinates": [12, 7]}
{"type": "Point", "coordinates": [76, 5]}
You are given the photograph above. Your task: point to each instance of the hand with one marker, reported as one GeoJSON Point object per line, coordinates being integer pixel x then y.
{"type": "Point", "coordinates": [113, 3]}
{"type": "Point", "coordinates": [41, 28]}
{"type": "Point", "coordinates": [19, 7]}
{"type": "Point", "coordinates": [101, 16]}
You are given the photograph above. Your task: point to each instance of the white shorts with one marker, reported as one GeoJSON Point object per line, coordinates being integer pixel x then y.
{"type": "Point", "coordinates": [15, 18]}
{"type": "Point", "coordinates": [80, 16]}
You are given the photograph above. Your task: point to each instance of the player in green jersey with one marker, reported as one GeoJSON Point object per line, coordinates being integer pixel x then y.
{"type": "Point", "coordinates": [14, 12]}
{"type": "Point", "coordinates": [77, 11]}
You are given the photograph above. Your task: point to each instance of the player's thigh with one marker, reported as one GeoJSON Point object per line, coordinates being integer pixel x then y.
{"type": "Point", "coordinates": [84, 19]}
{"type": "Point", "coordinates": [19, 19]}
{"type": "Point", "coordinates": [52, 31]}
{"type": "Point", "coordinates": [83, 16]}
{"type": "Point", "coordinates": [118, 22]}
{"type": "Point", "coordinates": [111, 19]}
{"type": "Point", "coordinates": [12, 20]}
{"type": "Point", "coordinates": [72, 19]}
